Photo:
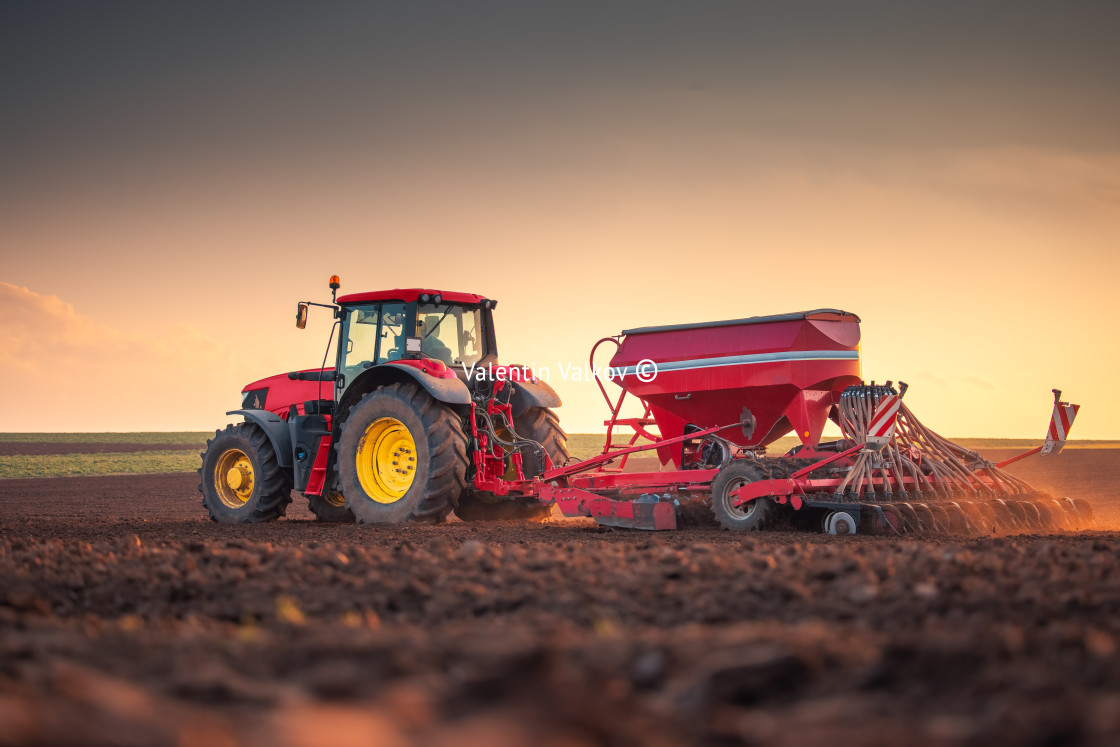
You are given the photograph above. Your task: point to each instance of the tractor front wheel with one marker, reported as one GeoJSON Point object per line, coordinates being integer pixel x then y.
{"type": "Point", "coordinates": [241, 480]}
{"type": "Point", "coordinates": [402, 456]}
{"type": "Point", "coordinates": [746, 517]}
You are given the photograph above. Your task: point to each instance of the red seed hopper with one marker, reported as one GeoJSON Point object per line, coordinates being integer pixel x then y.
{"type": "Point", "coordinates": [774, 373]}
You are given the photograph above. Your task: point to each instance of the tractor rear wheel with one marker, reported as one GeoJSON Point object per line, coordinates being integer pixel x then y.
{"type": "Point", "coordinates": [749, 516]}
{"type": "Point", "coordinates": [542, 425]}
{"type": "Point", "coordinates": [330, 507]}
{"type": "Point", "coordinates": [402, 456]}
{"type": "Point", "coordinates": [241, 479]}
{"type": "Point", "coordinates": [538, 424]}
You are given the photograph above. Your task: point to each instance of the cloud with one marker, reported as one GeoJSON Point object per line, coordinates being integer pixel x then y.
{"type": "Point", "coordinates": [976, 381]}
{"type": "Point", "coordinates": [931, 378]}
{"type": "Point", "coordinates": [1034, 175]}
{"type": "Point", "coordinates": [61, 370]}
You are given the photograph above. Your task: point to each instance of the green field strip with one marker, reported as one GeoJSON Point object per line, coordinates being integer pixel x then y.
{"type": "Point", "coordinates": [159, 437]}
{"type": "Point", "coordinates": [127, 462]}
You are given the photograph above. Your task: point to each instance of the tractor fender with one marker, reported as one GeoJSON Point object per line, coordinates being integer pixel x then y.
{"type": "Point", "coordinates": [451, 391]}
{"type": "Point", "coordinates": [276, 428]}
{"type": "Point", "coordinates": [528, 394]}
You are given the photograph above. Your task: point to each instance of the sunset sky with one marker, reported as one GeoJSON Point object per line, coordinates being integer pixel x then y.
{"type": "Point", "coordinates": [175, 177]}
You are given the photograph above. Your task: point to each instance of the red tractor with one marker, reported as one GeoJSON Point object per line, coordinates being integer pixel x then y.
{"type": "Point", "coordinates": [416, 419]}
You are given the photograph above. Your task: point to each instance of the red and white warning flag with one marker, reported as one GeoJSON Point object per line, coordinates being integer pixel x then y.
{"type": "Point", "coordinates": [881, 429]}
{"type": "Point", "coordinates": [1060, 423]}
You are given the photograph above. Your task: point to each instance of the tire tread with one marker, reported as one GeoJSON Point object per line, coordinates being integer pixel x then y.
{"type": "Point", "coordinates": [447, 450]}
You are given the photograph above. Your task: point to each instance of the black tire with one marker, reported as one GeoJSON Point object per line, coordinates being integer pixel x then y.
{"type": "Point", "coordinates": [245, 449]}
{"type": "Point", "coordinates": [542, 425]}
{"type": "Point", "coordinates": [537, 424]}
{"type": "Point", "coordinates": [330, 507]}
{"type": "Point", "coordinates": [757, 514]}
{"type": "Point", "coordinates": [439, 468]}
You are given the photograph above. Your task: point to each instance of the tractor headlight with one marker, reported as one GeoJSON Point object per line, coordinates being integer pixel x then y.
{"type": "Point", "coordinates": [424, 298]}
{"type": "Point", "coordinates": [437, 299]}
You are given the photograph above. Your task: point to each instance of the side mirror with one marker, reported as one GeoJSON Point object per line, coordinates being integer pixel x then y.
{"type": "Point", "coordinates": [301, 316]}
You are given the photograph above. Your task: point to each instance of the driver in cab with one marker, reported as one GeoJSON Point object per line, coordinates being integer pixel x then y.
{"type": "Point", "coordinates": [430, 344]}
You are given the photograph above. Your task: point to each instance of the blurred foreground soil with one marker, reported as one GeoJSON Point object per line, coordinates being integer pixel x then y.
{"type": "Point", "coordinates": [126, 617]}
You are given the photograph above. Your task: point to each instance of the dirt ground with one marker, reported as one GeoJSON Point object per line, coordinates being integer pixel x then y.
{"type": "Point", "coordinates": [126, 617]}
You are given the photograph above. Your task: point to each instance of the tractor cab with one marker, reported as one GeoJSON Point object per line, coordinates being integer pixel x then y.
{"type": "Point", "coordinates": [455, 329]}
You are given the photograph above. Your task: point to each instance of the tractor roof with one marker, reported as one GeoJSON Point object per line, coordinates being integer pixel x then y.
{"type": "Point", "coordinates": [409, 294]}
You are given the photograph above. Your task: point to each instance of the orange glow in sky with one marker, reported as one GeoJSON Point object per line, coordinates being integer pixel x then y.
{"type": "Point", "coordinates": [165, 206]}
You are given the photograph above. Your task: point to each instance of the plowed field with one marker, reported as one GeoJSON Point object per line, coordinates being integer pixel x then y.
{"type": "Point", "coordinates": [126, 617]}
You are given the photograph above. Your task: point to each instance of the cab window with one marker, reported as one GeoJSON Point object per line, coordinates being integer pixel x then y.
{"type": "Point", "coordinates": [392, 332]}
{"type": "Point", "coordinates": [359, 344]}
{"type": "Point", "coordinates": [449, 333]}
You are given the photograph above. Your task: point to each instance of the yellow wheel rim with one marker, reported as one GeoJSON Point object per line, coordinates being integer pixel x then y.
{"type": "Point", "coordinates": [335, 499]}
{"type": "Point", "coordinates": [386, 460]}
{"type": "Point", "coordinates": [234, 478]}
